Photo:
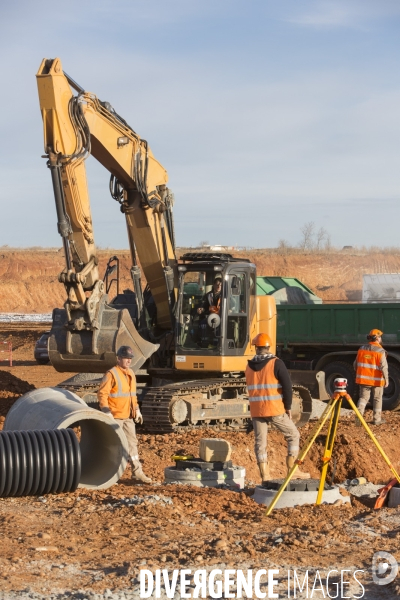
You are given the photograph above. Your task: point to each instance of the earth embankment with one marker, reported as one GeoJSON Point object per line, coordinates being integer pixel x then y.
{"type": "Point", "coordinates": [29, 277]}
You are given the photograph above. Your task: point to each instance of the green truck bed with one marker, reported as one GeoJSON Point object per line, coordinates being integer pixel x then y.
{"type": "Point", "coordinates": [341, 324]}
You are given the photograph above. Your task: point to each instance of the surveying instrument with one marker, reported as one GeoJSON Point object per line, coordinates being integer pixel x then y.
{"type": "Point", "coordinates": [331, 411]}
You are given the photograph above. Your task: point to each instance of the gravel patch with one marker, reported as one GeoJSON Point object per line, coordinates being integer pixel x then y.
{"type": "Point", "coordinates": [136, 500]}
{"type": "Point", "coordinates": [366, 490]}
{"type": "Point", "coordinates": [25, 318]}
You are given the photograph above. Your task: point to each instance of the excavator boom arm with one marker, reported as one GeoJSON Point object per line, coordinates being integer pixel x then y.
{"type": "Point", "coordinates": [74, 127]}
{"type": "Point", "coordinates": [87, 332]}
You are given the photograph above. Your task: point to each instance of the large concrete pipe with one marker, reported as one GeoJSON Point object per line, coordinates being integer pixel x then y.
{"type": "Point", "coordinates": [104, 448]}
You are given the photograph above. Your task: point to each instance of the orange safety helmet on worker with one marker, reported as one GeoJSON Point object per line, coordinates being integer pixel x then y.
{"type": "Point", "coordinates": [265, 390]}
{"type": "Point", "coordinates": [262, 339]}
{"type": "Point", "coordinates": [368, 361]}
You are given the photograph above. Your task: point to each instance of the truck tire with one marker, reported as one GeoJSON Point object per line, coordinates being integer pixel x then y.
{"type": "Point", "coordinates": [391, 394]}
{"type": "Point", "coordinates": [340, 369]}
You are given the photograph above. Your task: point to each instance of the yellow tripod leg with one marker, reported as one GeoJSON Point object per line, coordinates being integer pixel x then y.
{"type": "Point", "coordinates": [311, 439]}
{"type": "Point", "coordinates": [330, 440]}
{"type": "Point", "coordinates": [373, 438]}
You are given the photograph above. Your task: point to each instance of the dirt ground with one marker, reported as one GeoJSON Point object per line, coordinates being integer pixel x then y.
{"type": "Point", "coordinates": [99, 541]}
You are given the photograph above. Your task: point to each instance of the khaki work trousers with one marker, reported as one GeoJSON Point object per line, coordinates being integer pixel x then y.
{"type": "Point", "coordinates": [128, 427]}
{"type": "Point", "coordinates": [365, 394]}
{"type": "Point", "coordinates": [285, 425]}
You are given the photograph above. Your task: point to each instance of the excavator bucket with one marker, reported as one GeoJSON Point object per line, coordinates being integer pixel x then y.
{"type": "Point", "coordinates": [94, 351]}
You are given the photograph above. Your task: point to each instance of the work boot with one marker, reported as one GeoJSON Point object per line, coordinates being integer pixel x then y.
{"type": "Point", "coordinates": [264, 471]}
{"type": "Point", "coordinates": [381, 422]}
{"type": "Point", "coordinates": [137, 472]}
{"type": "Point", "coordinates": [290, 460]}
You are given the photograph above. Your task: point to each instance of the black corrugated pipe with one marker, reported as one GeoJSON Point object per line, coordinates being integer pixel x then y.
{"type": "Point", "coordinates": [33, 463]}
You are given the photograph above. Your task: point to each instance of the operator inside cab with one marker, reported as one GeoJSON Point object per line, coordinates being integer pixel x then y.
{"type": "Point", "coordinates": [212, 300]}
{"type": "Point", "coordinates": [211, 305]}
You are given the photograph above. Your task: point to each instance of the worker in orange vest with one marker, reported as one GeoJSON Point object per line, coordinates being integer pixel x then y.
{"type": "Point", "coordinates": [372, 374]}
{"type": "Point", "coordinates": [117, 398]}
{"type": "Point", "coordinates": [270, 396]}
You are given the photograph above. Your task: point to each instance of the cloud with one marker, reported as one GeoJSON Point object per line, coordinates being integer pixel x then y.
{"type": "Point", "coordinates": [326, 14]}
{"type": "Point", "coordinates": [355, 14]}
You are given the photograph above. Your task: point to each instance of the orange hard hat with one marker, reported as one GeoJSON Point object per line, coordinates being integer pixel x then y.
{"type": "Point", "coordinates": [376, 332]}
{"type": "Point", "coordinates": [262, 339]}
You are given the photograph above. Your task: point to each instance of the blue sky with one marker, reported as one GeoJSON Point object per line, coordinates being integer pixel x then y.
{"type": "Point", "coordinates": [266, 114]}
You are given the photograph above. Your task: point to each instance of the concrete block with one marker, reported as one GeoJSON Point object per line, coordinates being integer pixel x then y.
{"type": "Point", "coordinates": [233, 477]}
{"type": "Point", "coordinates": [215, 450]}
{"type": "Point", "coordinates": [297, 498]}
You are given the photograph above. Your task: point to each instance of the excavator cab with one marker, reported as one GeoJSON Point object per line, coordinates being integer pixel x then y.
{"type": "Point", "coordinates": [213, 330]}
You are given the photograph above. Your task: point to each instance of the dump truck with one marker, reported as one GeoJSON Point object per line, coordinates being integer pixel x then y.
{"type": "Point", "coordinates": [312, 336]}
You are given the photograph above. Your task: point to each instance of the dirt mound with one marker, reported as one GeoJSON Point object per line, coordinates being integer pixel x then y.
{"type": "Point", "coordinates": [11, 384]}
{"type": "Point", "coordinates": [354, 452]}
{"type": "Point", "coordinates": [334, 276]}
{"type": "Point", "coordinates": [11, 388]}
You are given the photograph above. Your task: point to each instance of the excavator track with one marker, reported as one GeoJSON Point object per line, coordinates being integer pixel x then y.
{"type": "Point", "coordinates": [157, 402]}
{"type": "Point", "coordinates": [157, 405]}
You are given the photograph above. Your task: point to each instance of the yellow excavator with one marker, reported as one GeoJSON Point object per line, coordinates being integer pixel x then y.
{"type": "Point", "coordinates": [190, 360]}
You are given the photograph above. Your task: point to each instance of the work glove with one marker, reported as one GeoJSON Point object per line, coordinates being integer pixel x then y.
{"type": "Point", "coordinates": [138, 416]}
{"type": "Point", "coordinates": [107, 411]}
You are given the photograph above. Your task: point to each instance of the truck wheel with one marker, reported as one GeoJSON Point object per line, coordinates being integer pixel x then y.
{"type": "Point", "coordinates": [340, 369]}
{"type": "Point", "coordinates": [391, 394]}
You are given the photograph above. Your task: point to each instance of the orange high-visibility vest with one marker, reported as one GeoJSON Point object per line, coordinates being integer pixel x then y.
{"type": "Point", "coordinates": [122, 395]}
{"type": "Point", "coordinates": [265, 391]}
{"type": "Point", "coordinates": [368, 370]}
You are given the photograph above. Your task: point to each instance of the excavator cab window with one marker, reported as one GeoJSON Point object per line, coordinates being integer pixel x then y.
{"type": "Point", "coordinates": [237, 302]}
{"type": "Point", "coordinates": [199, 322]}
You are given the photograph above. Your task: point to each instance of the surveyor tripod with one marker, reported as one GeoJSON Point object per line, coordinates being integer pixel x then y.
{"type": "Point", "coordinates": [332, 410]}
